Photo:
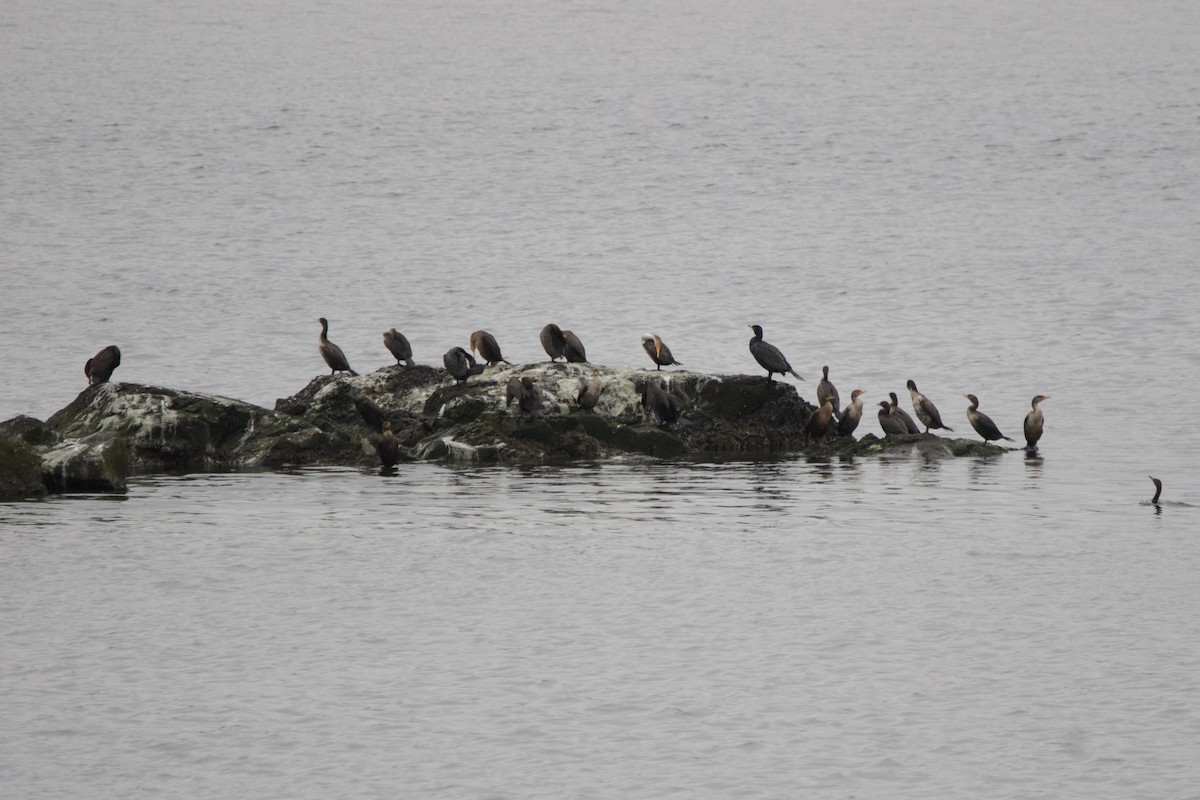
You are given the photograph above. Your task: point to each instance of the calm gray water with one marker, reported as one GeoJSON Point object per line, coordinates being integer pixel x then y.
{"type": "Point", "coordinates": [989, 198]}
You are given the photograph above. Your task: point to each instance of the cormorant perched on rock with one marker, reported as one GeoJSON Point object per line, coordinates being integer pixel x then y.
{"type": "Point", "coordinates": [902, 415]}
{"type": "Point", "coordinates": [889, 421]}
{"type": "Point", "coordinates": [461, 364]}
{"type": "Point", "coordinates": [333, 355]}
{"type": "Point", "coordinates": [981, 422]}
{"type": "Point", "coordinates": [485, 344]}
{"type": "Point", "coordinates": [573, 351]}
{"type": "Point", "coordinates": [768, 356]}
{"type": "Point", "coordinates": [398, 346]}
{"type": "Point", "coordinates": [386, 446]}
{"type": "Point", "coordinates": [99, 368]}
{"type": "Point", "coordinates": [659, 353]}
{"type": "Point", "coordinates": [531, 400]}
{"type": "Point", "coordinates": [820, 421]}
{"type": "Point", "coordinates": [553, 341]}
{"type": "Point", "coordinates": [926, 411]}
{"type": "Point", "coordinates": [851, 414]}
{"type": "Point", "coordinates": [513, 390]}
{"type": "Point", "coordinates": [590, 391]}
{"type": "Point", "coordinates": [1034, 421]}
{"type": "Point", "coordinates": [659, 402]}
{"type": "Point", "coordinates": [827, 389]}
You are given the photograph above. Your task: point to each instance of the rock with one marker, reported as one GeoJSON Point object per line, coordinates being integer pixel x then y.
{"type": "Point", "coordinates": [112, 430]}
{"type": "Point", "coordinates": [20, 470]}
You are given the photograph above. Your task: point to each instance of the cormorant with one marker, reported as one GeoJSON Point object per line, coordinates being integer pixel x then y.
{"type": "Point", "coordinates": [398, 346]}
{"type": "Point", "coordinates": [768, 356]}
{"type": "Point", "coordinates": [553, 341]}
{"type": "Point", "coordinates": [333, 355]}
{"type": "Point", "coordinates": [99, 368]}
{"type": "Point", "coordinates": [513, 390]}
{"type": "Point", "coordinates": [827, 389]}
{"type": "Point", "coordinates": [1157, 490]}
{"type": "Point", "coordinates": [902, 415]}
{"type": "Point", "coordinates": [851, 414]}
{"type": "Point", "coordinates": [461, 364]}
{"type": "Point", "coordinates": [659, 402]}
{"type": "Point", "coordinates": [386, 446]}
{"type": "Point", "coordinates": [820, 421]}
{"type": "Point", "coordinates": [589, 391]}
{"type": "Point", "coordinates": [1034, 421]}
{"type": "Point", "coordinates": [981, 422]}
{"type": "Point", "coordinates": [573, 350]}
{"type": "Point", "coordinates": [659, 353]}
{"type": "Point", "coordinates": [926, 411]}
{"type": "Point", "coordinates": [1157, 502]}
{"type": "Point", "coordinates": [530, 400]}
{"type": "Point", "coordinates": [889, 421]}
{"type": "Point", "coordinates": [485, 344]}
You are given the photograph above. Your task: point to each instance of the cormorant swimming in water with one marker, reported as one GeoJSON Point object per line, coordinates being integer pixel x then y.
{"type": "Point", "coordinates": [926, 411]}
{"type": "Point", "coordinates": [590, 391]}
{"type": "Point", "coordinates": [659, 353]}
{"type": "Point", "coordinates": [827, 389]}
{"type": "Point", "coordinates": [981, 422]}
{"type": "Point", "coordinates": [99, 368]}
{"type": "Point", "coordinates": [1155, 501]}
{"type": "Point", "coordinates": [485, 344]}
{"type": "Point", "coordinates": [461, 364]}
{"type": "Point", "coordinates": [769, 356]}
{"type": "Point", "coordinates": [851, 414]}
{"type": "Point", "coordinates": [1034, 421]}
{"type": "Point", "coordinates": [1157, 490]}
{"type": "Point", "coordinates": [333, 355]}
{"type": "Point", "coordinates": [902, 415]}
{"type": "Point", "coordinates": [398, 346]}
{"type": "Point", "coordinates": [553, 342]}
{"type": "Point", "coordinates": [573, 350]}
{"type": "Point", "coordinates": [889, 421]}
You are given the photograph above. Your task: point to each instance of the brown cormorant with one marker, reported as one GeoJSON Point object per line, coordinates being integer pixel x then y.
{"type": "Point", "coordinates": [981, 422]}
{"type": "Point", "coordinates": [659, 402]}
{"type": "Point", "coordinates": [485, 344]}
{"type": "Point", "coordinates": [553, 341]}
{"type": "Point", "coordinates": [590, 391]}
{"type": "Point", "coordinates": [659, 353]}
{"type": "Point", "coordinates": [386, 446]}
{"type": "Point", "coordinates": [768, 356]}
{"type": "Point", "coordinates": [820, 421]}
{"type": "Point", "coordinates": [333, 355]}
{"type": "Point", "coordinates": [851, 414]}
{"type": "Point", "coordinates": [926, 411]}
{"type": "Point", "coordinates": [398, 346]}
{"type": "Point", "coordinates": [889, 421]}
{"type": "Point", "coordinates": [1034, 421]}
{"type": "Point", "coordinates": [573, 350]}
{"type": "Point", "coordinates": [528, 396]}
{"type": "Point", "coordinates": [827, 389]}
{"type": "Point", "coordinates": [461, 364]}
{"type": "Point", "coordinates": [902, 415]}
{"type": "Point", "coordinates": [99, 368]}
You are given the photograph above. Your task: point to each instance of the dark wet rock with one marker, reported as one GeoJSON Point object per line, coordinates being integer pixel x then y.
{"type": "Point", "coordinates": [20, 470]}
{"type": "Point", "coordinates": [113, 430]}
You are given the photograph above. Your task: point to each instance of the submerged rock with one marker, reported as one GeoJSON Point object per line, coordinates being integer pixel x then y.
{"type": "Point", "coordinates": [112, 430]}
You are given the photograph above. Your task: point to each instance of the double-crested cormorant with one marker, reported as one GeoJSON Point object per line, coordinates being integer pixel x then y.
{"type": "Point", "coordinates": [981, 422]}
{"type": "Point", "coordinates": [513, 390]}
{"type": "Point", "coordinates": [386, 446]}
{"type": "Point", "coordinates": [573, 350]}
{"type": "Point", "coordinates": [659, 353]}
{"type": "Point", "coordinates": [333, 355]}
{"type": "Point", "coordinates": [889, 421]}
{"type": "Point", "coordinates": [398, 346]}
{"type": "Point", "coordinates": [530, 399]}
{"type": "Point", "coordinates": [926, 411]}
{"type": "Point", "coordinates": [820, 421]}
{"type": "Point", "coordinates": [902, 415]}
{"type": "Point", "coordinates": [851, 414]}
{"type": "Point", "coordinates": [461, 364]}
{"type": "Point", "coordinates": [99, 368]}
{"type": "Point", "coordinates": [553, 341]}
{"type": "Point", "coordinates": [659, 402]}
{"type": "Point", "coordinates": [485, 344]}
{"type": "Point", "coordinates": [1034, 421]}
{"type": "Point", "coordinates": [826, 389]}
{"type": "Point", "coordinates": [768, 355]}
{"type": "Point", "coordinates": [590, 391]}
{"type": "Point", "coordinates": [1158, 502]}
{"type": "Point", "coordinates": [1157, 490]}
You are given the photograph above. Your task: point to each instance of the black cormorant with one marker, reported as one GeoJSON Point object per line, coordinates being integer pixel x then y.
{"type": "Point", "coordinates": [333, 355]}
{"type": "Point", "coordinates": [769, 356]}
{"type": "Point", "coordinates": [981, 422]}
